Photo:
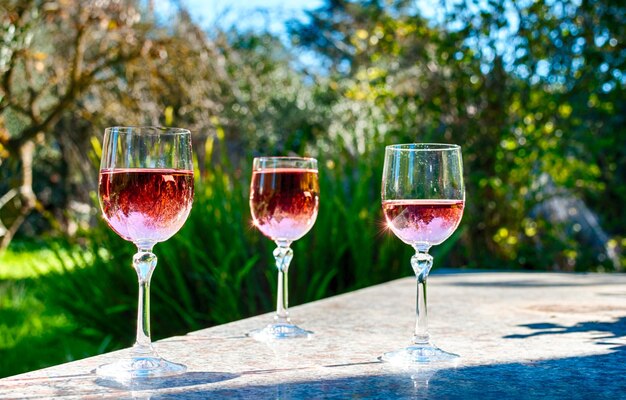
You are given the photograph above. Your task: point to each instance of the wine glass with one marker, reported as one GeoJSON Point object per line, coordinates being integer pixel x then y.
{"type": "Point", "coordinates": [146, 191]}
{"type": "Point", "coordinates": [284, 199]}
{"type": "Point", "coordinates": [423, 197]}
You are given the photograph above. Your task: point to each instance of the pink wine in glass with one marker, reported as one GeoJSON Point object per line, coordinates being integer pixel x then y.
{"type": "Point", "coordinates": [146, 205]}
{"type": "Point", "coordinates": [423, 221]}
{"type": "Point", "coordinates": [284, 202]}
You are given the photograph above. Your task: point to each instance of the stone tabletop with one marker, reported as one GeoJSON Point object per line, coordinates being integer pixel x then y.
{"type": "Point", "coordinates": [520, 335]}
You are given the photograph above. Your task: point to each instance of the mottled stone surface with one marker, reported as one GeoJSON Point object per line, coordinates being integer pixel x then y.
{"type": "Point", "coordinates": [520, 335]}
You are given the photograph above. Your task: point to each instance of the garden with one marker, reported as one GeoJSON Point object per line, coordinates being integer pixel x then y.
{"type": "Point", "coordinates": [533, 92]}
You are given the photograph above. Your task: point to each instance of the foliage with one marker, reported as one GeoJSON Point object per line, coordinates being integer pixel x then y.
{"type": "Point", "coordinates": [509, 104]}
{"type": "Point", "coordinates": [53, 54]}
{"type": "Point", "coordinates": [33, 333]}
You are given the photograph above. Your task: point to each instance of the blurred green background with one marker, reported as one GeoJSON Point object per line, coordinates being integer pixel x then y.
{"type": "Point", "coordinates": [533, 91]}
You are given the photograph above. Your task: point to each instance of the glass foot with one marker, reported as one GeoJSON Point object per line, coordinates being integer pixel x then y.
{"type": "Point", "coordinates": [419, 355]}
{"type": "Point", "coordinates": [140, 367]}
{"type": "Point", "coordinates": [280, 332]}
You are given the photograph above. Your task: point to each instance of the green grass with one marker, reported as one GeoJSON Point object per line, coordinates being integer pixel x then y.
{"type": "Point", "coordinates": [34, 334]}
{"type": "Point", "coordinates": [24, 260]}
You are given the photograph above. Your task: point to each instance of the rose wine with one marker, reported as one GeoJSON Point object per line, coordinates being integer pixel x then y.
{"type": "Point", "coordinates": [284, 202]}
{"type": "Point", "coordinates": [423, 221]}
{"type": "Point", "coordinates": [146, 205]}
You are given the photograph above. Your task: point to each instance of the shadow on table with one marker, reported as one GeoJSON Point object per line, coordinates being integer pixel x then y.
{"type": "Point", "coordinates": [597, 377]}
{"type": "Point", "coordinates": [65, 385]}
{"type": "Point", "coordinates": [614, 329]}
{"type": "Point", "coordinates": [529, 283]}
{"type": "Point", "coordinates": [183, 380]}
{"type": "Point", "coordinates": [581, 377]}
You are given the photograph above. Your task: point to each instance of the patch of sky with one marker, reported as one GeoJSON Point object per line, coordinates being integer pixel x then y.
{"type": "Point", "coordinates": [501, 39]}
{"type": "Point", "coordinates": [248, 16]}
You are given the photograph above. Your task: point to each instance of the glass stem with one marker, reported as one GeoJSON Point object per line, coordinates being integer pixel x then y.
{"type": "Point", "coordinates": [421, 262]}
{"type": "Point", "coordinates": [283, 255]}
{"type": "Point", "coordinates": [144, 263]}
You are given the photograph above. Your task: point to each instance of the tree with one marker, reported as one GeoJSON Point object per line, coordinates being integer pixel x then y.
{"type": "Point", "coordinates": [507, 92]}
{"type": "Point", "coordinates": [52, 54]}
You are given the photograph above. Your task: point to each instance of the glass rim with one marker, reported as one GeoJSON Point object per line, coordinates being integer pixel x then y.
{"type": "Point", "coordinates": [285, 158]}
{"type": "Point", "coordinates": [148, 130]}
{"type": "Point", "coordinates": [416, 147]}
{"type": "Point", "coordinates": [259, 163]}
